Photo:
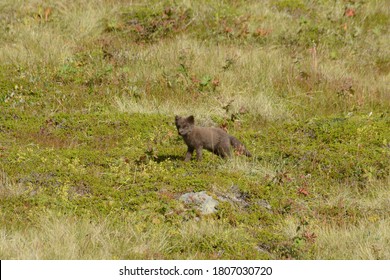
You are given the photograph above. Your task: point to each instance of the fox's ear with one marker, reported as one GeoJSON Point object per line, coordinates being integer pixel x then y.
{"type": "Point", "coordinates": [191, 119]}
{"type": "Point", "coordinates": [177, 117]}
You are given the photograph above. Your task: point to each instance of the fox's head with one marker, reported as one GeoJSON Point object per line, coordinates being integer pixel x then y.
{"type": "Point", "coordinates": [184, 125]}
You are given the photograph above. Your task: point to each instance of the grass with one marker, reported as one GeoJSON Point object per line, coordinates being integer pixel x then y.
{"type": "Point", "coordinates": [91, 164]}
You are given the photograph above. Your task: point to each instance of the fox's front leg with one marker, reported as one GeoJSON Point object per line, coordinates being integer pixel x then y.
{"type": "Point", "coordinates": [199, 153]}
{"type": "Point", "coordinates": [189, 154]}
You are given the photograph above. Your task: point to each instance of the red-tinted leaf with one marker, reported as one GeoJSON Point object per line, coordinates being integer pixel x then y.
{"type": "Point", "coordinates": [303, 191]}
{"type": "Point", "coordinates": [349, 12]}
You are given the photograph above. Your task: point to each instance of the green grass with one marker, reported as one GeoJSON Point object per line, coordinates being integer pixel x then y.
{"type": "Point", "coordinates": [91, 166]}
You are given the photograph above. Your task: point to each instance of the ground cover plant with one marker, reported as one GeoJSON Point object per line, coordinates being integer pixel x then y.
{"type": "Point", "coordinates": [91, 165]}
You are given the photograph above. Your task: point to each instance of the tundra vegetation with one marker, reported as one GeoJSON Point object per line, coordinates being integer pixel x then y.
{"type": "Point", "coordinates": [91, 164]}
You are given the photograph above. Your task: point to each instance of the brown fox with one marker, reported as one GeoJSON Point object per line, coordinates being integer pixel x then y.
{"type": "Point", "coordinates": [212, 139]}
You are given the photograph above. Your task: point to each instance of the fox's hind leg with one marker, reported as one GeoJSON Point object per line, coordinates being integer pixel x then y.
{"type": "Point", "coordinates": [223, 150]}
{"type": "Point", "coordinates": [225, 153]}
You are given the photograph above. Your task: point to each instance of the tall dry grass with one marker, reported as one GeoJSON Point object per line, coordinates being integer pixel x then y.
{"type": "Point", "coordinates": [58, 236]}
{"type": "Point", "coordinates": [360, 233]}
{"type": "Point", "coordinates": [47, 33]}
{"type": "Point", "coordinates": [246, 87]}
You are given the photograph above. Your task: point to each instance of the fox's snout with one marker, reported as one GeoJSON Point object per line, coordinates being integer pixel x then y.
{"type": "Point", "coordinates": [181, 132]}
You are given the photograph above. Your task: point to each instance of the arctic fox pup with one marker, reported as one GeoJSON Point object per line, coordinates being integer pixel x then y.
{"type": "Point", "coordinates": [212, 139]}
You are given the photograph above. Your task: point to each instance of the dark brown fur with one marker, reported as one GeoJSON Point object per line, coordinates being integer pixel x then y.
{"type": "Point", "coordinates": [212, 139]}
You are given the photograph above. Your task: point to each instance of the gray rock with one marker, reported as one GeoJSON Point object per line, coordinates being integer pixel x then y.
{"type": "Point", "coordinates": [202, 202]}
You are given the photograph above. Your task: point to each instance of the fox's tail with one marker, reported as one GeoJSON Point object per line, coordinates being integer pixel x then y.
{"type": "Point", "coordinates": [239, 147]}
